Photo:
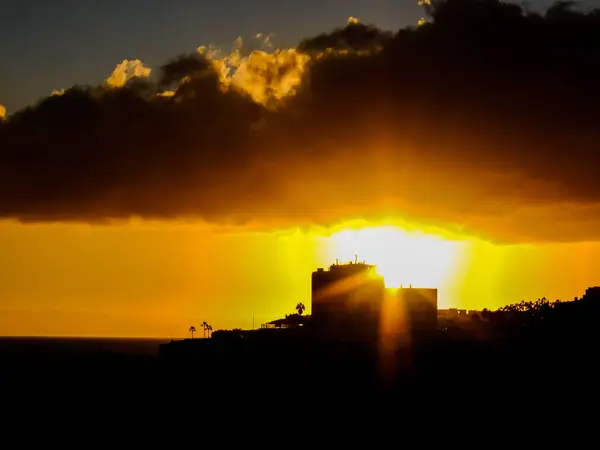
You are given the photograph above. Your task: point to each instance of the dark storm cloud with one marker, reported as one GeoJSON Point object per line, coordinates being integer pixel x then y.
{"type": "Point", "coordinates": [486, 117]}
{"type": "Point", "coordinates": [353, 37]}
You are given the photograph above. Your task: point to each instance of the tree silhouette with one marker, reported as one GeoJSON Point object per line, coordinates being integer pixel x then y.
{"type": "Point", "coordinates": [209, 329]}
{"type": "Point", "coordinates": [300, 308]}
{"type": "Point", "coordinates": [204, 328]}
{"type": "Point", "coordinates": [192, 330]}
{"type": "Point", "coordinates": [486, 314]}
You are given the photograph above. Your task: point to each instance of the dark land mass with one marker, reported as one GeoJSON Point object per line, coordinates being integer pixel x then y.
{"type": "Point", "coordinates": [539, 355]}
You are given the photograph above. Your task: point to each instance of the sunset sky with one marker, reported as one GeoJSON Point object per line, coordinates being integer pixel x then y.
{"type": "Point", "coordinates": [139, 209]}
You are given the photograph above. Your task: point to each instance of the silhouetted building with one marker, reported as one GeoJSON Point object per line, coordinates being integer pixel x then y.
{"type": "Point", "coordinates": [350, 303]}
{"type": "Point", "coordinates": [457, 314]}
{"type": "Point", "coordinates": [451, 313]}
{"type": "Point", "coordinates": [346, 300]}
{"type": "Point", "coordinates": [290, 321]}
{"type": "Point", "coordinates": [418, 309]}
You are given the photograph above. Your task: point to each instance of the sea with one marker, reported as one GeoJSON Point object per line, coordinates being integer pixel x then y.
{"type": "Point", "coordinates": [72, 346]}
{"type": "Point", "coordinates": [94, 380]}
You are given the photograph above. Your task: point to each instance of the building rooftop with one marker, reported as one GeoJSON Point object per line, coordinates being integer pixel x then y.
{"type": "Point", "coordinates": [352, 266]}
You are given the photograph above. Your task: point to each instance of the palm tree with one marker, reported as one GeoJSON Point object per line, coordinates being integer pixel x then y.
{"type": "Point", "coordinates": [204, 326]}
{"type": "Point", "coordinates": [300, 308]}
{"type": "Point", "coordinates": [209, 329]}
{"type": "Point", "coordinates": [192, 330]}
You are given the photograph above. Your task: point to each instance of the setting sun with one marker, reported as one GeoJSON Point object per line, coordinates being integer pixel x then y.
{"type": "Point", "coordinates": [403, 258]}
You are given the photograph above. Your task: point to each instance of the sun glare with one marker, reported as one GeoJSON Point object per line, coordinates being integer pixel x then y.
{"type": "Point", "coordinates": [403, 258]}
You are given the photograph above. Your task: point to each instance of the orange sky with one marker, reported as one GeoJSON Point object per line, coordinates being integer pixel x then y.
{"type": "Point", "coordinates": [151, 279]}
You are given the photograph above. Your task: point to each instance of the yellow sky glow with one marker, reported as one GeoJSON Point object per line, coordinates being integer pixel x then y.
{"type": "Point", "coordinates": [157, 278]}
{"type": "Point", "coordinates": [402, 258]}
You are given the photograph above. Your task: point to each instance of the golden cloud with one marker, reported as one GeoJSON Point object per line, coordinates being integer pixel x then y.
{"type": "Point", "coordinates": [127, 70]}
{"type": "Point", "coordinates": [355, 122]}
{"type": "Point", "coordinates": [267, 76]}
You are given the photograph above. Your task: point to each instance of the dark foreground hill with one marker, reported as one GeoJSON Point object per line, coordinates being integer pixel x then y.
{"type": "Point", "coordinates": [317, 373]}
{"type": "Point", "coordinates": [537, 357]}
